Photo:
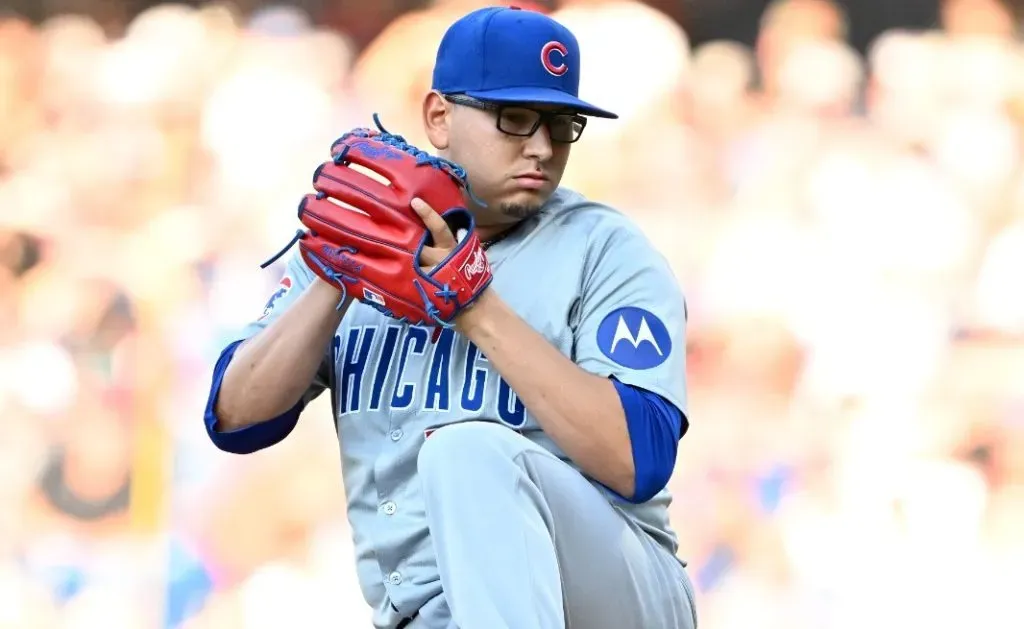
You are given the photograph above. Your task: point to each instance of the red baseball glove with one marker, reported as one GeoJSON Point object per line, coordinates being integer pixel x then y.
{"type": "Point", "coordinates": [364, 238]}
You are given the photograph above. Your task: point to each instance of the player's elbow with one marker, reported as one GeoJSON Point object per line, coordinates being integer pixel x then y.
{"type": "Point", "coordinates": [654, 427]}
{"type": "Point", "coordinates": [249, 437]}
{"type": "Point", "coordinates": [637, 484]}
{"type": "Point", "coordinates": [647, 478]}
{"type": "Point", "coordinates": [621, 479]}
{"type": "Point", "coordinates": [242, 437]}
{"type": "Point", "coordinates": [650, 482]}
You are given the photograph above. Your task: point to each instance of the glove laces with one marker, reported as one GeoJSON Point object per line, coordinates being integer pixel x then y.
{"type": "Point", "coordinates": [445, 293]}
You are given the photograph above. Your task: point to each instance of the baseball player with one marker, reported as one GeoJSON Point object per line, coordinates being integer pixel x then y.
{"type": "Point", "coordinates": [505, 454]}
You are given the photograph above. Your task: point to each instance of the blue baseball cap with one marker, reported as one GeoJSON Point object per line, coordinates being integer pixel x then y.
{"type": "Point", "coordinates": [512, 55]}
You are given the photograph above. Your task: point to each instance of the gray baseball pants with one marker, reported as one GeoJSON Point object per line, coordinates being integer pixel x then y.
{"type": "Point", "coordinates": [523, 541]}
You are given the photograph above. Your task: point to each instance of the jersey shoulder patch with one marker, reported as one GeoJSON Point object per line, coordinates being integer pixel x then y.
{"type": "Point", "coordinates": [283, 287]}
{"type": "Point", "coordinates": [634, 338]}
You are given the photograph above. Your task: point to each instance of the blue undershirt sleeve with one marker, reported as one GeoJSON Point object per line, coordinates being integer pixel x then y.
{"type": "Point", "coordinates": [251, 438]}
{"type": "Point", "coordinates": [655, 428]}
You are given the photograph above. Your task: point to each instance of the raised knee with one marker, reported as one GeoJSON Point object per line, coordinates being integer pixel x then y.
{"type": "Point", "coordinates": [464, 444]}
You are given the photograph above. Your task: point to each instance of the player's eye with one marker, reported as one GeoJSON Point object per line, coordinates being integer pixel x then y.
{"type": "Point", "coordinates": [565, 127]}
{"type": "Point", "coordinates": [517, 121]}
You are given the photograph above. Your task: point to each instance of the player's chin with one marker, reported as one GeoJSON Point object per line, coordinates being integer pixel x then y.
{"type": "Point", "coordinates": [528, 197]}
{"type": "Point", "coordinates": [520, 207]}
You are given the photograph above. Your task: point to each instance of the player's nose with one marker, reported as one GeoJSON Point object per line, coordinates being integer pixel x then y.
{"type": "Point", "coordinates": [538, 146]}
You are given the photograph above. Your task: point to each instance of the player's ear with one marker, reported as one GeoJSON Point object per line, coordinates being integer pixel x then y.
{"type": "Point", "coordinates": [436, 119]}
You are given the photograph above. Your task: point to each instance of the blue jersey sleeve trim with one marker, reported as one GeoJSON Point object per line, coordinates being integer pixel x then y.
{"type": "Point", "coordinates": [251, 438]}
{"type": "Point", "coordinates": [655, 427]}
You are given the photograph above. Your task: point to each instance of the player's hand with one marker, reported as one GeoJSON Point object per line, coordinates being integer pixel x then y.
{"type": "Point", "coordinates": [444, 239]}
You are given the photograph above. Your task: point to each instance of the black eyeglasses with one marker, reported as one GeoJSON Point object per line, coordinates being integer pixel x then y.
{"type": "Point", "coordinates": [522, 121]}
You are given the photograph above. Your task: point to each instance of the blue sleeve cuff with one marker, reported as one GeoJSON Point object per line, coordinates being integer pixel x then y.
{"type": "Point", "coordinates": [251, 438]}
{"type": "Point", "coordinates": [655, 427]}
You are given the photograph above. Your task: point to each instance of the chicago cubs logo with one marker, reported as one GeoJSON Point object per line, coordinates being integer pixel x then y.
{"type": "Point", "coordinates": [634, 338]}
{"type": "Point", "coordinates": [552, 57]}
{"type": "Point", "coordinates": [283, 287]}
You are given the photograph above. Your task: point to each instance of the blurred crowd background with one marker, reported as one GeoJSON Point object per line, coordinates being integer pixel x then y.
{"type": "Point", "coordinates": [843, 206]}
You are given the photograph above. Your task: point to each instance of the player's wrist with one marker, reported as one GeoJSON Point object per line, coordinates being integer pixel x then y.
{"type": "Point", "coordinates": [329, 294]}
{"type": "Point", "coordinates": [477, 314]}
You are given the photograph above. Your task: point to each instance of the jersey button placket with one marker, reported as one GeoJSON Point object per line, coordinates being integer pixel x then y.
{"type": "Point", "coordinates": [395, 578]}
{"type": "Point", "coordinates": [397, 434]}
{"type": "Point", "coordinates": [388, 508]}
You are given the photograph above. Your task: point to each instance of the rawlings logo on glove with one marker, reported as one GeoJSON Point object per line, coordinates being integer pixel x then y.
{"type": "Point", "coordinates": [477, 265]}
{"type": "Point", "coordinates": [363, 236]}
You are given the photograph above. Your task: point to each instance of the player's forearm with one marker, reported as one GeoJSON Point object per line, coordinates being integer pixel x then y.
{"type": "Point", "coordinates": [271, 371]}
{"type": "Point", "coordinates": [580, 411]}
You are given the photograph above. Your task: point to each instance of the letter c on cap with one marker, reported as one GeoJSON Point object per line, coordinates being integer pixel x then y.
{"type": "Point", "coordinates": [546, 54]}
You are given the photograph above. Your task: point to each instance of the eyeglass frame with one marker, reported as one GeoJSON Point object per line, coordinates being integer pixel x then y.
{"type": "Point", "coordinates": [543, 117]}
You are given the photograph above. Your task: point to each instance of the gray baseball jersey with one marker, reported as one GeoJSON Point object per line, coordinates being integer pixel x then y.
{"type": "Point", "coordinates": [579, 273]}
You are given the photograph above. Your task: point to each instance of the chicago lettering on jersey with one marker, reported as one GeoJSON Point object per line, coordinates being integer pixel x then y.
{"type": "Point", "coordinates": [449, 376]}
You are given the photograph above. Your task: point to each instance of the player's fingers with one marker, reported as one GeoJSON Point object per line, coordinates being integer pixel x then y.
{"type": "Point", "coordinates": [432, 256]}
{"type": "Point", "coordinates": [442, 234]}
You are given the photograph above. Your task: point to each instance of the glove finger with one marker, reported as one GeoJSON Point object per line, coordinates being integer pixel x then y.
{"type": "Point", "coordinates": [387, 161]}
{"type": "Point", "coordinates": [377, 262]}
{"type": "Point", "coordinates": [323, 216]}
{"type": "Point", "coordinates": [329, 219]}
{"type": "Point", "coordinates": [374, 247]}
{"type": "Point", "coordinates": [406, 171]}
{"type": "Point", "coordinates": [363, 191]}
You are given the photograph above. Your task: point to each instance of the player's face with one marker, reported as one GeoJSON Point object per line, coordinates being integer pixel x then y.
{"type": "Point", "coordinates": [514, 175]}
